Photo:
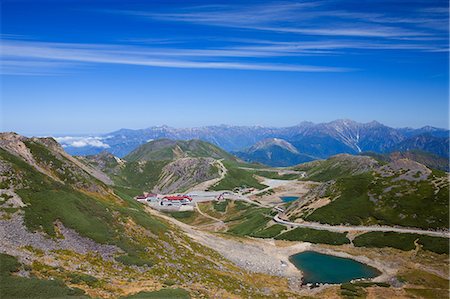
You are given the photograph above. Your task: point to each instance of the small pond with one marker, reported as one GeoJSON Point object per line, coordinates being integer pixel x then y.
{"type": "Point", "coordinates": [288, 198]}
{"type": "Point", "coordinates": [324, 268]}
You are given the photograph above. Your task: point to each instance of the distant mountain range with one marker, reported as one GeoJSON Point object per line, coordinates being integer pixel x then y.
{"type": "Point", "coordinates": [303, 142]}
{"type": "Point", "coordinates": [274, 152]}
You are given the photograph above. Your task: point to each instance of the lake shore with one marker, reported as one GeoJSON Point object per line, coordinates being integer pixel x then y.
{"type": "Point", "coordinates": [267, 255]}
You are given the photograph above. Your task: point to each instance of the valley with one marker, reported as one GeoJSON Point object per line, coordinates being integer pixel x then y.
{"type": "Point", "coordinates": [76, 221]}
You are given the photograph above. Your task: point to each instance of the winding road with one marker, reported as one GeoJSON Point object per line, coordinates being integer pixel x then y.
{"type": "Point", "coordinates": [344, 228]}
{"type": "Point", "coordinates": [273, 183]}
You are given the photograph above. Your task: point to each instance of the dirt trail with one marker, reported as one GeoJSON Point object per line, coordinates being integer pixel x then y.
{"type": "Point", "coordinates": [219, 223]}
{"type": "Point", "coordinates": [255, 255]}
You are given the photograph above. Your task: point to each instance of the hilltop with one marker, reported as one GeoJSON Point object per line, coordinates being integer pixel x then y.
{"type": "Point", "coordinates": [360, 190]}
{"type": "Point", "coordinates": [168, 166]}
{"type": "Point", "coordinates": [167, 149]}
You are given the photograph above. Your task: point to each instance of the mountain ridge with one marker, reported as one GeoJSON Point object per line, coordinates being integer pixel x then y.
{"type": "Point", "coordinates": [320, 140]}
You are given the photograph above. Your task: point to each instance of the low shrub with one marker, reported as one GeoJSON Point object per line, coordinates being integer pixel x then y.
{"type": "Point", "coordinates": [314, 236]}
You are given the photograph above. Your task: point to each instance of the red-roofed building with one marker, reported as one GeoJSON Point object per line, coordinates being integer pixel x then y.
{"type": "Point", "coordinates": [175, 200]}
{"type": "Point", "coordinates": [177, 197]}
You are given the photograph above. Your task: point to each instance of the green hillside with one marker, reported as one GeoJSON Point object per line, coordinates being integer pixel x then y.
{"type": "Point", "coordinates": [237, 177]}
{"type": "Point", "coordinates": [337, 166]}
{"type": "Point", "coordinates": [179, 164]}
{"type": "Point", "coordinates": [402, 192]}
{"type": "Point", "coordinates": [167, 149]}
{"type": "Point", "coordinates": [66, 227]}
{"type": "Point", "coordinates": [162, 165]}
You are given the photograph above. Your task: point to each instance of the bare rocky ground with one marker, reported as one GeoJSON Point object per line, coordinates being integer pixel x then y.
{"type": "Point", "coordinates": [255, 255]}
{"type": "Point", "coordinates": [269, 256]}
{"type": "Point", "coordinates": [185, 172]}
{"type": "Point", "coordinates": [15, 238]}
{"type": "Point", "coordinates": [207, 184]}
{"type": "Point", "coordinates": [282, 188]}
{"type": "Point", "coordinates": [410, 170]}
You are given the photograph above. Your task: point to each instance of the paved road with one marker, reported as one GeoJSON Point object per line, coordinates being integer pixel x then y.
{"type": "Point", "coordinates": [343, 228]}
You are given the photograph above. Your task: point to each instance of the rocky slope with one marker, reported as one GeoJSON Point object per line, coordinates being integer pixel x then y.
{"type": "Point", "coordinates": [163, 166]}
{"type": "Point", "coordinates": [65, 233]}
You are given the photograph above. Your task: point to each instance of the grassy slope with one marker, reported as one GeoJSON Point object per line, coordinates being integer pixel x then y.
{"type": "Point", "coordinates": [251, 221]}
{"type": "Point", "coordinates": [165, 149]}
{"type": "Point", "coordinates": [269, 232]}
{"type": "Point", "coordinates": [48, 201]}
{"type": "Point", "coordinates": [237, 177]}
{"type": "Point", "coordinates": [427, 285]}
{"type": "Point", "coordinates": [402, 241]}
{"type": "Point", "coordinates": [161, 294]}
{"type": "Point", "coordinates": [399, 206]}
{"type": "Point", "coordinates": [248, 220]}
{"type": "Point", "coordinates": [353, 205]}
{"type": "Point", "coordinates": [20, 287]}
{"type": "Point", "coordinates": [124, 223]}
{"type": "Point", "coordinates": [314, 236]}
{"type": "Point", "coordinates": [336, 167]}
{"type": "Point", "coordinates": [140, 176]}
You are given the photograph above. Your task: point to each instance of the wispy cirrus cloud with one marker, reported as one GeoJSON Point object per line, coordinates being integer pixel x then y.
{"type": "Point", "coordinates": [24, 57]}
{"type": "Point", "coordinates": [287, 33]}
{"type": "Point", "coordinates": [36, 53]}
{"type": "Point", "coordinates": [313, 18]}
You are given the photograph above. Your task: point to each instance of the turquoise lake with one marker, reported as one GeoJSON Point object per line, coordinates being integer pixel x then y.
{"type": "Point", "coordinates": [323, 268]}
{"type": "Point", "coordinates": [288, 198]}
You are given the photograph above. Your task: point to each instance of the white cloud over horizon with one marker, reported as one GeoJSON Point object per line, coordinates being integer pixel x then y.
{"type": "Point", "coordinates": [82, 141]}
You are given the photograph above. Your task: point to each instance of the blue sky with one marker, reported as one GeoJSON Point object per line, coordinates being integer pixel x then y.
{"type": "Point", "coordinates": [79, 67]}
